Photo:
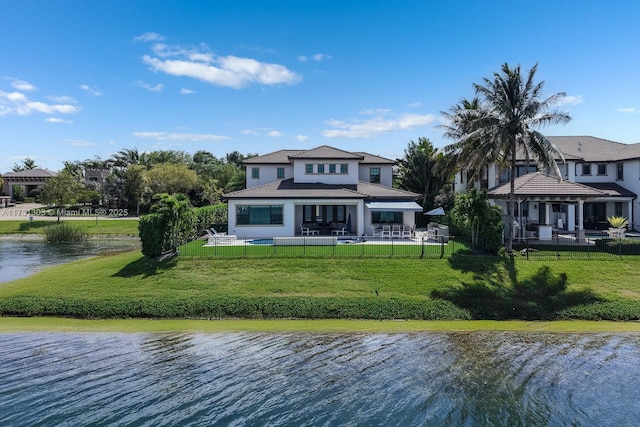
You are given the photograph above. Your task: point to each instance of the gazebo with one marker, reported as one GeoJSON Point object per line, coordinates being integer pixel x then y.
{"type": "Point", "coordinates": [546, 190]}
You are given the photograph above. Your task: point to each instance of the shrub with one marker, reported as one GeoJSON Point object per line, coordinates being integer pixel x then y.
{"type": "Point", "coordinates": [211, 216]}
{"type": "Point", "coordinates": [65, 232]}
{"type": "Point", "coordinates": [154, 234]}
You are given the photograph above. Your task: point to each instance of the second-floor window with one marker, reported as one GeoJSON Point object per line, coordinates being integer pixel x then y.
{"type": "Point", "coordinates": [586, 169]}
{"type": "Point", "coordinates": [255, 173]}
{"type": "Point", "coordinates": [602, 168]}
{"type": "Point", "coordinates": [620, 171]}
{"type": "Point", "coordinates": [344, 168]}
{"type": "Point", "coordinates": [280, 173]}
{"type": "Point", "coordinates": [308, 168]}
{"type": "Point", "coordinates": [374, 175]}
{"type": "Point", "coordinates": [320, 168]}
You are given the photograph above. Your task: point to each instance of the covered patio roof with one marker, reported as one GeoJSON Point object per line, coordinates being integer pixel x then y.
{"type": "Point", "coordinates": [393, 206]}
{"type": "Point", "coordinates": [543, 187]}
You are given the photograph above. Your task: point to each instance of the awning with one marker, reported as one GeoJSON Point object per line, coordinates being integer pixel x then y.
{"type": "Point", "coordinates": [393, 206]}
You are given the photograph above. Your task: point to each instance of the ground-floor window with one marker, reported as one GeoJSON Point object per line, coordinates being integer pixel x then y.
{"type": "Point", "coordinates": [259, 215]}
{"type": "Point", "coordinates": [325, 214]}
{"type": "Point", "coordinates": [386, 218]}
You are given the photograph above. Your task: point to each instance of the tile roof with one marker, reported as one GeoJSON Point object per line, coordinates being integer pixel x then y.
{"type": "Point", "coordinates": [612, 189]}
{"type": "Point", "coordinates": [287, 189]}
{"type": "Point", "coordinates": [322, 152]}
{"type": "Point", "coordinates": [591, 149]}
{"type": "Point", "coordinates": [538, 184]}
{"type": "Point", "coordinates": [31, 173]}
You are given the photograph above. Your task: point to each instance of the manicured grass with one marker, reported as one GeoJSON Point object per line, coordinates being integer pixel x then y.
{"type": "Point", "coordinates": [56, 324]}
{"type": "Point", "coordinates": [129, 285]}
{"type": "Point", "coordinates": [120, 227]}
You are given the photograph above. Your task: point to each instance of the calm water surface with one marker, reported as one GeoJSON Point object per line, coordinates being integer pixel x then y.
{"type": "Point", "coordinates": [297, 379]}
{"type": "Point", "coordinates": [19, 259]}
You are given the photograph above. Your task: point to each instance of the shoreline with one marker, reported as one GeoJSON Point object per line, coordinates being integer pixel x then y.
{"type": "Point", "coordinates": [69, 325]}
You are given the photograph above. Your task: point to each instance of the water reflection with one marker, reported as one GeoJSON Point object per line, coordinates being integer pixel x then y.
{"type": "Point", "coordinates": [319, 379]}
{"type": "Point", "coordinates": [19, 259]}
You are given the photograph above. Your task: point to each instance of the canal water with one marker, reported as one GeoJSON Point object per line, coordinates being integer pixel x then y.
{"type": "Point", "coordinates": [304, 379]}
{"type": "Point", "coordinates": [22, 258]}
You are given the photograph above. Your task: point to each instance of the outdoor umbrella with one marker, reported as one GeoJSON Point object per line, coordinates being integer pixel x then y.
{"type": "Point", "coordinates": [436, 211]}
{"type": "Point", "coordinates": [349, 223]}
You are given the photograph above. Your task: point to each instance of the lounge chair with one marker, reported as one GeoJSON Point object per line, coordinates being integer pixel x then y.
{"type": "Point", "coordinates": [376, 231]}
{"type": "Point", "coordinates": [396, 230]}
{"type": "Point", "coordinates": [219, 238]}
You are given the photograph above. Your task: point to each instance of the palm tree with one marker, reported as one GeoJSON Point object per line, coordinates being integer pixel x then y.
{"type": "Point", "coordinates": [510, 110]}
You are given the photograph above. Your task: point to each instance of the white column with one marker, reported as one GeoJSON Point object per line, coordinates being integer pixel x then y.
{"type": "Point", "coordinates": [571, 218]}
{"type": "Point", "coordinates": [580, 221]}
{"type": "Point", "coordinates": [360, 217]}
{"type": "Point", "coordinates": [547, 213]}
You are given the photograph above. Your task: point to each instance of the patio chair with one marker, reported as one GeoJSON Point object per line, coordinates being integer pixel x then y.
{"type": "Point", "coordinates": [305, 230]}
{"type": "Point", "coordinates": [386, 231]}
{"type": "Point", "coordinates": [396, 230]}
{"type": "Point", "coordinates": [408, 231]}
{"type": "Point", "coordinates": [376, 231]}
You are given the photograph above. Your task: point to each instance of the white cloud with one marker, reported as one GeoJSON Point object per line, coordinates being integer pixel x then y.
{"type": "Point", "coordinates": [372, 111]}
{"type": "Point", "coordinates": [302, 138]}
{"type": "Point", "coordinates": [227, 71]}
{"type": "Point", "coordinates": [375, 126]}
{"type": "Point", "coordinates": [57, 120]}
{"type": "Point", "coordinates": [91, 89]}
{"type": "Point", "coordinates": [415, 104]}
{"type": "Point", "coordinates": [80, 143]}
{"type": "Point", "coordinates": [18, 103]}
{"type": "Point", "coordinates": [571, 100]}
{"type": "Point", "coordinates": [157, 88]}
{"type": "Point", "coordinates": [303, 58]}
{"type": "Point", "coordinates": [321, 57]}
{"type": "Point", "coordinates": [164, 136]}
{"type": "Point", "coordinates": [149, 37]}
{"type": "Point", "coordinates": [629, 110]}
{"type": "Point", "coordinates": [185, 91]}
{"type": "Point", "coordinates": [62, 99]}
{"type": "Point", "coordinates": [23, 85]}
{"type": "Point", "coordinates": [263, 132]}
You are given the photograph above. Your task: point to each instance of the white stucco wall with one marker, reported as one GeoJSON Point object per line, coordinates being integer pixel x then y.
{"type": "Point", "coordinates": [301, 176]}
{"type": "Point", "coordinates": [386, 174]}
{"type": "Point", "coordinates": [268, 173]}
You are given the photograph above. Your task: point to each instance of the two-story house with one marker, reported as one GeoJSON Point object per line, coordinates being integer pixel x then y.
{"type": "Point", "coordinates": [289, 190]}
{"type": "Point", "coordinates": [600, 178]}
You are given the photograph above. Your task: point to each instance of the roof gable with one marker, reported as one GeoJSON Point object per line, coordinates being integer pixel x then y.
{"type": "Point", "coordinates": [327, 152]}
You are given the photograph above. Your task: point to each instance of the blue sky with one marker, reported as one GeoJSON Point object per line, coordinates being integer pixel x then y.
{"type": "Point", "coordinates": [80, 79]}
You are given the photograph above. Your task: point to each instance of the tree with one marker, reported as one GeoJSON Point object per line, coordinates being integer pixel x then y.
{"type": "Point", "coordinates": [172, 178]}
{"type": "Point", "coordinates": [423, 170]}
{"type": "Point", "coordinates": [176, 211]}
{"type": "Point", "coordinates": [61, 190]}
{"type": "Point", "coordinates": [136, 186]}
{"type": "Point", "coordinates": [474, 214]}
{"type": "Point", "coordinates": [27, 164]}
{"type": "Point", "coordinates": [510, 110]}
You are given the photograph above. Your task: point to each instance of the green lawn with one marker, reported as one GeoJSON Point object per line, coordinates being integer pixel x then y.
{"type": "Point", "coordinates": [123, 227]}
{"type": "Point", "coordinates": [129, 285]}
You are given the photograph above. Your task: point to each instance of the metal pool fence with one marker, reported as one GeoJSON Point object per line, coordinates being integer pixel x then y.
{"type": "Point", "coordinates": [571, 248]}
{"type": "Point", "coordinates": [325, 246]}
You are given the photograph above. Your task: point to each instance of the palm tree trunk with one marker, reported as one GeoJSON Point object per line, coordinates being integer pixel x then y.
{"type": "Point", "coordinates": [512, 192]}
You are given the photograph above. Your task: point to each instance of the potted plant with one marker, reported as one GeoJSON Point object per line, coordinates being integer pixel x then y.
{"type": "Point", "coordinates": [618, 226]}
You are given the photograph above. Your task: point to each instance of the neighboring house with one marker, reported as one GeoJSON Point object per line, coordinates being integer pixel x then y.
{"type": "Point", "coordinates": [600, 178]}
{"type": "Point", "coordinates": [28, 179]}
{"type": "Point", "coordinates": [323, 188]}
{"type": "Point", "coordinates": [96, 176]}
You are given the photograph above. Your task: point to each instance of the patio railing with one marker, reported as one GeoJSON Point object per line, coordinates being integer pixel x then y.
{"type": "Point", "coordinates": [589, 248]}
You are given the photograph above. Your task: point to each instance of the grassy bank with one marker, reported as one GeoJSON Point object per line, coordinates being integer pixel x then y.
{"type": "Point", "coordinates": [468, 287]}
{"type": "Point", "coordinates": [38, 324]}
{"type": "Point", "coordinates": [104, 227]}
